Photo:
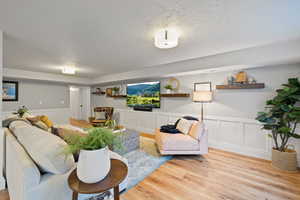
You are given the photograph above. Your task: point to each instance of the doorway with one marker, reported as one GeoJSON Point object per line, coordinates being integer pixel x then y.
{"type": "Point", "coordinates": [80, 102]}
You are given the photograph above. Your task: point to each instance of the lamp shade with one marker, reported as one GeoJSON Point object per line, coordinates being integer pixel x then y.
{"type": "Point", "coordinates": [202, 96]}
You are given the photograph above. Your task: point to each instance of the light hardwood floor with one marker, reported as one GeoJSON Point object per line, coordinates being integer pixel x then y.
{"type": "Point", "coordinates": [218, 176]}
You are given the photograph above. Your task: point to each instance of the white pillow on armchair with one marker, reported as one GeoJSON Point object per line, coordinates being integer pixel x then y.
{"type": "Point", "coordinates": [197, 130]}
{"type": "Point", "coordinates": [184, 126]}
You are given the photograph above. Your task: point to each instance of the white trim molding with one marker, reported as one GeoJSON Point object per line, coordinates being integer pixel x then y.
{"type": "Point", "coordinates": [57, 115]}
{"type": "Point", "coordinates": [42, 76]}
{"type": "Point", "coordinates": [239, 135]}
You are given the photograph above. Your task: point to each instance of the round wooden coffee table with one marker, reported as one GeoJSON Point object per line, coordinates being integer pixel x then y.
{"type": "Point", "coordinates": [116, 175]}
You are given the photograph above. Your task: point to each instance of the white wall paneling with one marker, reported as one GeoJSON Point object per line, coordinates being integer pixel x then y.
{"type": "Point", "coordinates": [240, 135]}
{"type": "Point", "coordinates": [57, 115]}
{"type": "Point", "coordinates": [230, 118]}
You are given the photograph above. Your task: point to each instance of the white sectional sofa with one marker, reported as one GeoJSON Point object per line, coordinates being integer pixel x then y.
{"type": "Point", "coordinates": [25, 180]}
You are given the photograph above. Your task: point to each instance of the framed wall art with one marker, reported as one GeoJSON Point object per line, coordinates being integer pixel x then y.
{"type": "Point", "coordinates": [10, 91]}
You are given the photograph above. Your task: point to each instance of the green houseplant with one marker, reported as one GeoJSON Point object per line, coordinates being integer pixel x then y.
{"type": "Point", "coordinates": [115, 90]}
{"type": "Point", "coordinates": [169, 88]}
{"type": "Point", "coordinates": [94, 157]}
{"type": "Point", "coordinates": [111, 124]}
{"type": "Point", "coordinates": [281, 118]}
{"type": "Point", "coordinates": [21, 111]}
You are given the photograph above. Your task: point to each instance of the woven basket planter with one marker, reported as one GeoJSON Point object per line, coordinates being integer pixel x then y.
{"type": "Point", "coordinates": [286, 161]}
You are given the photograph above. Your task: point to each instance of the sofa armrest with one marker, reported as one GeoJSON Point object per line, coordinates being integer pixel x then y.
{"type": "Point", "coordinates": [21, 172]}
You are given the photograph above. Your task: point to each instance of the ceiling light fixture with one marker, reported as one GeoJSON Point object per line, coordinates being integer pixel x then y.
{"type": "Point", "coordinates": [166, 38]}
{"type": "Point", "coordinates": [68, 70]}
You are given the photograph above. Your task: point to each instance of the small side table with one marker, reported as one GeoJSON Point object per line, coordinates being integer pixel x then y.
{"type": "Point", "coordinates": [116, 175]}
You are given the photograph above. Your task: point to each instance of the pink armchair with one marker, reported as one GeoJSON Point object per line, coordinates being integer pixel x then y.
{"type": "Point", "coordinates": [194, 143]}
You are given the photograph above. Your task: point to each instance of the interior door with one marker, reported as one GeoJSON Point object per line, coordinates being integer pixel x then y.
{"type": "Point", "coordinates": [75, 102]}
{"type": "Point", "coordinates": [80, 102]}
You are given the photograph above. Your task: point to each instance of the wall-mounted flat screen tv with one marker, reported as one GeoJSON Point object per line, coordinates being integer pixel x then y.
{"type": "Point", "coordinates": [144, 94]}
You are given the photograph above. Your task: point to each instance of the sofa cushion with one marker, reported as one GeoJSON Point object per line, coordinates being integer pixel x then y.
{"type": "Point", "coordinates": [176, 142]}
{"type": "Point", "coordinates": [45, 149]}
{"type": "Point", "coordinates": [46, 120]}
{"type": "Point", "coordinates": [196, 130]}
{"type": "Point", "coordinates": [184, 126]}
{"type": "Point", "coordinates": [40, 125]}
{"type": "Point", "coordinates": [65, 133]}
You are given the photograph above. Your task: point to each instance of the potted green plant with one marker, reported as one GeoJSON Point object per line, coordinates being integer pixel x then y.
{"type": "Point", "coordinates": [281, 118]}
{"type": "Point", "coordinates": [21, 111]}
{"type": "Point", "coordinates": [168, 88]}
{"type": "Point", "coordinates": [115, 90]}
{"type": "Point", "coordinates": [111, 124]}
{"type": "Point", "coordinates": [94, 158]}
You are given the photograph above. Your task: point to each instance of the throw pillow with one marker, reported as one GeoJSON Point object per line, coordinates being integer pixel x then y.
{"type": "Point", "coordinates": [196, 130]}
{"type": "Point", "coordinates": [65, 133]}
{"type": "Point", "coordinates": [46, 120]}
{"type": "Point", "coordinates": [184, 126]}
{"type": "Point", "coordinates": [45, 149]}
{"type": "Point", "coordinates": [100, 115]}
{"type": "Point", "coordinates": [40, 125]}
{"type": "Point", "coordinates": [190, 118]}
{"type": "Point", "coordinates": [33, 119]}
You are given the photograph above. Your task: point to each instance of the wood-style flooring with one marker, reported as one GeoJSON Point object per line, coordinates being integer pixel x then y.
{"type": "Point", "coordinates": [217, 176]}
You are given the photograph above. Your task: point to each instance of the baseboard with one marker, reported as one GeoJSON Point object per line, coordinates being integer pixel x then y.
{"type": "Point", "coordinates": [2, 183]}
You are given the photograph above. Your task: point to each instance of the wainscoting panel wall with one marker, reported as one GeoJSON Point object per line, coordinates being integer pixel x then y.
{"type": "Point", "coordinates": [57, 115]}
{"type": "Point", "coordinates": [240, 135]}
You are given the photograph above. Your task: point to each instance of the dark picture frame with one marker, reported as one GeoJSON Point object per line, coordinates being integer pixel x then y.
{"type": "Point", "coordinates": [10, 91]}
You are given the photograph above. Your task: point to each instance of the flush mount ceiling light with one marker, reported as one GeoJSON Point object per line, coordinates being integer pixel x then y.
{"type": "Point", "coordinates": [68, 70]}
{"type": "Point", "coordinates": [166, 38]}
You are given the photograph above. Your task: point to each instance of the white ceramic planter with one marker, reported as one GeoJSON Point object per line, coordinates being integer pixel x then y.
{"type": "Point", "coordinates": [168, 91]}
{"type": "Point", "coordinates": [94, 165]}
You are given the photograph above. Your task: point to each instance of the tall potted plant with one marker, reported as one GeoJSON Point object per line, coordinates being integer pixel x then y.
{"type": "Point", "coordinates": [281, 118]}
{"type": "Point", "coordinates": [94, 158]}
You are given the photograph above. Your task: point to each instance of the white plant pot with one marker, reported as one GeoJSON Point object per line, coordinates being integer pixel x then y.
{"type": "Point", "coordinates": [168, 91]}
{"type": "Point", "coordinates": [93, 166]}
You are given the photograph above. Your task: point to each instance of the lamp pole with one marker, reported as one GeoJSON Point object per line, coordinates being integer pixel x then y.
{"type": "Point", "coordinates": [201, 111]}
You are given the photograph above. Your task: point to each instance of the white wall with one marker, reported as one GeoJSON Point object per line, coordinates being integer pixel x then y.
{"type": "Point", "coordinates": [39, 95]}
{"type": "Point", "coordinates": [57, 115]}
{"type": "Point", "coordinates": [230, 117]}
{"type": "Point", "coordinates": [2, 180]}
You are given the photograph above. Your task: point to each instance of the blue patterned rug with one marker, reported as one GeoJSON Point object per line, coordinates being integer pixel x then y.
{"type": "Point", "coordinates": [142, 162]}
{"type": "Point", "coordinates": [141, 165]}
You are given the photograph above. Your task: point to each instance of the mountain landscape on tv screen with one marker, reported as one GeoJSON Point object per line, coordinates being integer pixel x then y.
{"type": "Point", "coordinates": [144, 94]}
{"type": "Point", "coordinates": [140, 89]}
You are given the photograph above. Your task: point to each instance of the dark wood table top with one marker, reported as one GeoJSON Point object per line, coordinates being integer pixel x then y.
{"type": "Point", "coordinates": [116, 175]}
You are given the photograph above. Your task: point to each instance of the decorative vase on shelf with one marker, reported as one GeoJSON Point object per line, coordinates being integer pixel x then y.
{"type": "Point", "coordinates": [93, 165]}
{"type": "Point", "coordinates": [168, 91]}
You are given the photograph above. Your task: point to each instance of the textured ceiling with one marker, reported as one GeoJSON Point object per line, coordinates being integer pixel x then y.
{"type": "Point", "coordinates": [105, 37]}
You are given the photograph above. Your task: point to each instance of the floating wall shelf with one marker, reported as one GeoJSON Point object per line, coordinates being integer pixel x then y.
{"type": "Point", "coordinates": [118, 96]}
{"type": "Point", "coordinates": [241, 86]}
{"type": "Point", "coordinates": [98, 93]}
{"type": "Point", "coordinates": [175, 95]}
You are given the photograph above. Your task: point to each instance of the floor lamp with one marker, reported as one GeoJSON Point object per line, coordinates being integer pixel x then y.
{"type": "Point", "coordinates": [202, 97]}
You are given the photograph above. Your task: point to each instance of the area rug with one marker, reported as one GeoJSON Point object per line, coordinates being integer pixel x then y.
{"type": "Point", "coordinates": [141, 163]}
{"type": "Point", "coordinates": [144, 161]}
